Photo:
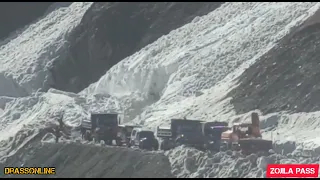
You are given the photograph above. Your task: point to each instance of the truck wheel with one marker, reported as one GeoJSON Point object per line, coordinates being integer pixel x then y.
{"type": "Point", "coordinates": [162, 146]}
{"type": "Point", "coordinates": [118, 142]}
{"type": "Point", "coordinates": [178, 143]}
{"type": "Point", "coordinates": [156, 146]}
{"type": "Point", "coordinates": [141, 145]}
{"type": "Point", "coordinates": [224, 147]}
{"type": "Point", "coordinates": [96, 139]}
{"type": "Point", "coordinates": [108, 142]}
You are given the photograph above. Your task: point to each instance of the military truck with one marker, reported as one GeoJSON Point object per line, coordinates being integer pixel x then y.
{"type": "Point", "coordinates": [102, 126]}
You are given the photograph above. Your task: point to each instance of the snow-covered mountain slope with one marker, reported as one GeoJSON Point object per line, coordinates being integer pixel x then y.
{"type": "Point", "coordinates": [186, 73]}
{"type": "Point", "coordinates": [26, 60]}
{"type": "Point", "coordinates": [111, 31]}
{"type": "Point", "coordinates": [287, 76]}
{"type": "Point", "coordinates": [190, 163]}
{"type": "Point", "coordinates": [189, 71]}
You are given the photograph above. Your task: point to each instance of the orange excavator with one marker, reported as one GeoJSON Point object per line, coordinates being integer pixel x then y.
{"type": "Point", "coordinates": [246, 137]}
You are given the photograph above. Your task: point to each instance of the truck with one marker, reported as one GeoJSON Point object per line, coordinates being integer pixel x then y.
{"type": "Point", "coordinates": [164, 135]}
{"type": "Point", "coordinates": [195, 133]}
{"type": "Point", "coordinates": [187, 132]}
{"type": "Point", "coordinates": [212, 132]}
{"type": "Point", "coordinates": [102, 126]}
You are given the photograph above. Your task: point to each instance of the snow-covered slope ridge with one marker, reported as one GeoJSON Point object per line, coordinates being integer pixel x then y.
{"type": "Point", "coordinates": [186, 72]}
{"type": "Point", "coordinates": [25, 60]}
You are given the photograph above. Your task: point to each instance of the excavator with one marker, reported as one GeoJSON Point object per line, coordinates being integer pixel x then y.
{"type": "Point", "coordinates": [246, 137]}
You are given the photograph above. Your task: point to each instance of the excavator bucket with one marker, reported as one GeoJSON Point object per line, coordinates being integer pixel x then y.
{"type": "Point", "coordinates": [249, 146]}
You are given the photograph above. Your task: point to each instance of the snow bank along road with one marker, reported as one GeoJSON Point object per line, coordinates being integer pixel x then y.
{"type": "Point", "coordinates": [78, 160]}
{"type": "Point", "coordinates": [185, 73]}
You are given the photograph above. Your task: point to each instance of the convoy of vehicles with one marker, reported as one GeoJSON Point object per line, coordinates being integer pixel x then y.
{"type": "Point", "coordinates": [208, 136]}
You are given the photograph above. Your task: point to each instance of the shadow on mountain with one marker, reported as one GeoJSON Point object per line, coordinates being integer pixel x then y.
{"type": "Point", "coordinates": [16, 15]}
{"type": "Point", "coordinates": [111, 31]}
{"type": "Point", "coordinates": [80, 161]}
{"type": "Point", "coordinates": [287, 77]}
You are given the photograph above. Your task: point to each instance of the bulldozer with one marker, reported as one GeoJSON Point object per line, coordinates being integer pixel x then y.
{"type": "Point", "coordinates": [246, 137]}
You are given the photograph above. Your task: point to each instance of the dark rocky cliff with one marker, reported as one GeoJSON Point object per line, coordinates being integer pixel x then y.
{"type": "Point", "coordinates": [287, 77]}
{"type": "Point", "coordinates": [15, 15]}
{"type": "Point", "coordinates": [112, 31]}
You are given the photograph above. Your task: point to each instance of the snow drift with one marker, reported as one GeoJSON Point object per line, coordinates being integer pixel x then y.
{"type": "Point", "coordinates": [69, 158]}
{"type": "Point", "coordinates": [186, 73]}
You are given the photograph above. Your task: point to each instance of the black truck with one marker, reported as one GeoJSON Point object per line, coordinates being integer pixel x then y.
{"type": "Point", "coordinates": [102, 126]}
{"type": "Point", "coordinates": [212, 133]}
{"type": "Point", "coordinates": [188, 132]}
{"type": "Point", "coordinates": [194, 133]}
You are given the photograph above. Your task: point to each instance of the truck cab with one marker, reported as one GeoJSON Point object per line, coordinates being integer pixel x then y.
{"type": "Point", "coordinates": [133, 136]}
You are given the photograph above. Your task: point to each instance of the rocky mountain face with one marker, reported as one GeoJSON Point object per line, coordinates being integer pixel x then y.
{"type": "Point", "coordinates": [287, 77]}
{"type": "Point", "coordinates": [111, 31]}
{"type": "Point", "coordinates": [15, 15]}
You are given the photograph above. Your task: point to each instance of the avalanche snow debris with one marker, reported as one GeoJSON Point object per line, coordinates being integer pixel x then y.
{"type": "Point", "coordinates": [160, 82]}
{"type": "Point", "coordinates": [203, 56]}
{"type": "Point", "coordinates": [25, 60]}
{"type": "Point", "coordinates": [188, 162]}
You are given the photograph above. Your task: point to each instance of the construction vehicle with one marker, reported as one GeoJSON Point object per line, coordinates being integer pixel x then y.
{"type": "Point", "coordinates": [125, 133]}
{"type": "Point", "coordinates": [165, 136]}
{"type": "Point", "coordinates": [104, 126]}
{"type": "Point", "coordinates": [212, 134]}
{"type": "Point", "coordinates": [246, 137]}
{"type": "Point", "coordinates": [144, 139]}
